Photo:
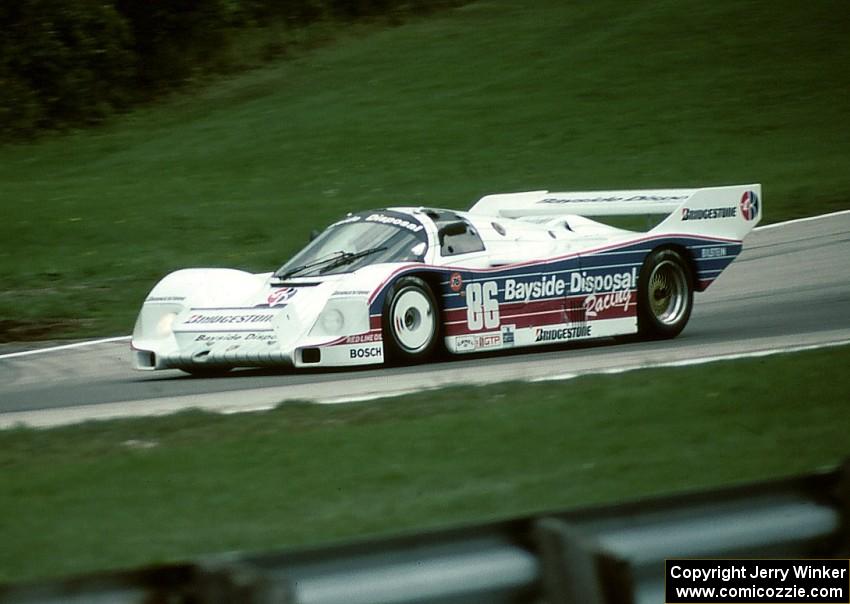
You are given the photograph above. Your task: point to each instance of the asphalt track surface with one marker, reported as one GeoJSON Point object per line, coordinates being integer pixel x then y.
{"type": "Point", "coordinates": [789, 289]}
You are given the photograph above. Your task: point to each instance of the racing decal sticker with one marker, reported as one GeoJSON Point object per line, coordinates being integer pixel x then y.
{"type": "Point", "coordinates": [749, 205]}
{"type": "Point", "coordinates": [248, 338]}
{"type": "Point", "coordinates": [488, 340]}
{"type": "Point", "coordinates": [712, 252]}
{"type": "Point", "coordinates": [711, 260]}
{"type": "Point", "coordinates": [709, 213]}
{"type": "Point", "coordinates": [601, 291]}
{"type": "Point", "coordinates": [550, 286]}
{"type": "Point", "coordinates": [261, 337]}
{"type": "Point", "coordinates": [508, 335]}
{"type": "Point", "coordinates": [545, 287]}
{"type": "Point", "coordinates": [482, 309]}
{"type": "Point", "coordinates": [596, 304]}
{"type": "Point", "coordinates": [279, 296]}
{"type": "Point", "coordinates": [583, 283]}
{"type": "Point", "coordinates": [614, 198]}
{"type": "Point", "coordinates": [558, 334]}
{"type": "Point", "coordinates": [366, 352]}
{"type": "Point", "coordinates": [455, 282]}
{"type": "Point", "coordinates": [465, 343]}
{"type": "Point", "coordinates": [395, 219]}
{"type": "Point", "coordinates": [347, 220]}
{"type": "Point", "coordinates": [364, 337]}
{"type": "Point", "coordinates": [227, 319]}
{"type": "Point", "coordinates": [472, 342]}
{"type": "Point", "coordinates": [390, 217]}
{"type": "Point", "coordinates": [223, 337]}
{"type": "Point", "coordinates": [605, 292]}
{"type": "Point", "coordinates": [344, 353]}
{"type": "Point", "coordinates": [541, 299]}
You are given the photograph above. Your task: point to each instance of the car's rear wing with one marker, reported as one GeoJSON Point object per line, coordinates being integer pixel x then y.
{"type": "Point", "coordinates": [730, 211]}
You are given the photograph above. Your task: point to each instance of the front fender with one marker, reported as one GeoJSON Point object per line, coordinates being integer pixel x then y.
{"type": "Point", "coordinates": [178, 292]}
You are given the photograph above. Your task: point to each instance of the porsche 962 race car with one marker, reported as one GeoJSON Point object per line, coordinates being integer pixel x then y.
{"type": "Point", "coordinates": [400, 284]}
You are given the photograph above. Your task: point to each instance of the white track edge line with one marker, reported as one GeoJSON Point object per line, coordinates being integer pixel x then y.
{"type": "Point", "coordinates": [26, 353]}
{"type": "Point", "coordinates": [612, 371]}
{"type": "Point", "coordinates": [5, 423]}
{"type": "Point", "coordinates": [796, 220]}
{"type": "Point", "coordinates": [698, 360]}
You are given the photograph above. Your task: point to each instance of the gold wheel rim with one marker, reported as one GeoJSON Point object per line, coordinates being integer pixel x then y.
{"type": "Point", "coordinates": [668, 292]}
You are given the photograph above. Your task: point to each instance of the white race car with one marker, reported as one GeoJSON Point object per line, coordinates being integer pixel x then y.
{"type": "Point", "coordinates": [400, 284]}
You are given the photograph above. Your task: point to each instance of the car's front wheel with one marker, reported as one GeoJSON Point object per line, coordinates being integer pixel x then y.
{"type": "Point", "coordinates": [665, 295]}
{"type": "Point", "coordinates": [410, 322]}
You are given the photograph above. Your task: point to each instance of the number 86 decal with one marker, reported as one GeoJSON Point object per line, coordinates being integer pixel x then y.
{"type": "Point", "coordinates": [482, 308]}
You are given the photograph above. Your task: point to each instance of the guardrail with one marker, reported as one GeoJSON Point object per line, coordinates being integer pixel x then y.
{"type": "Point", "coordinates": [599, 555]}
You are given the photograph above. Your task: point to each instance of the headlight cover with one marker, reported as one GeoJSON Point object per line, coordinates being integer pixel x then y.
{"type": "Point", "coordinates": [155, 321]}
{"type": "Point", "coordinates": [163, 326]}
{"type": "Point", "coordinates": [342, 317]}
{"type": "Point", "coordinates": [332, 321]}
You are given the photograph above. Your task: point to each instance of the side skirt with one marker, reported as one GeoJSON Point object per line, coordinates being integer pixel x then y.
{"type": "Point", "coordinates": [509, 336]}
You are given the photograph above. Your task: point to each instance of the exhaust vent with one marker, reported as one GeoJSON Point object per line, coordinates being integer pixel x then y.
{"type": "Point", "coordinates": [144, 359]}
{"type": "Point", "coordinates": [311, 355]}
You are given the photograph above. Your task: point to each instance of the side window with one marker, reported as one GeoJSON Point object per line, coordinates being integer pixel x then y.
{"type": "Point", "coordinates": [464, 242]}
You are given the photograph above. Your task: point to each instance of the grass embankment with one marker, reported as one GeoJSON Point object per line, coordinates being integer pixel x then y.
{"type": "Point", "coordinates": [128, 492]}
{"type": "Point", "coordinates": [496, 96]}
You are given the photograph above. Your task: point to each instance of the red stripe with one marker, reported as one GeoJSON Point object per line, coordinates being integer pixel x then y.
{"type": "Point", "coordinates": [571, 304]}
{"type": "Point", "coordinates": [522, 307]}
{"type": "Point", "coordinates": [576, 309]}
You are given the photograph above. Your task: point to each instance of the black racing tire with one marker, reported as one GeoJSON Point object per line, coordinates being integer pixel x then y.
{"type": "Point", "coordinates": [665, 295]}
{"type": "Point", "coordinates": [411, 322]}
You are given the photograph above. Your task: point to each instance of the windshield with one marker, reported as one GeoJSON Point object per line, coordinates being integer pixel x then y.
{"type": "Point", "coordinates": [357, 241]}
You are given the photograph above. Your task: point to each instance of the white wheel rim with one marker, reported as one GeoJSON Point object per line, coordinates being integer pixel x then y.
{"type": "Point", "coordinates": [413, 320]}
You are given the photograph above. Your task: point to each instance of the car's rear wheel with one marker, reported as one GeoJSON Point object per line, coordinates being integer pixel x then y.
{"type": "Point", "coordinates": [665, 294]}
{"type": "Point", "coordinates": [410, 322]}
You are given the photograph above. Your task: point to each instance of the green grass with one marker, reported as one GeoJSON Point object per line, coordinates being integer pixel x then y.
{"type": "Point", "coordinates": [494, 96]}
{"type": "Point", "coordinates": [90, 497]}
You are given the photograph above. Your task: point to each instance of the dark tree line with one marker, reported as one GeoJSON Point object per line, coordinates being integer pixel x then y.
{"type": "Point", "coordinates": [74, 63]}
